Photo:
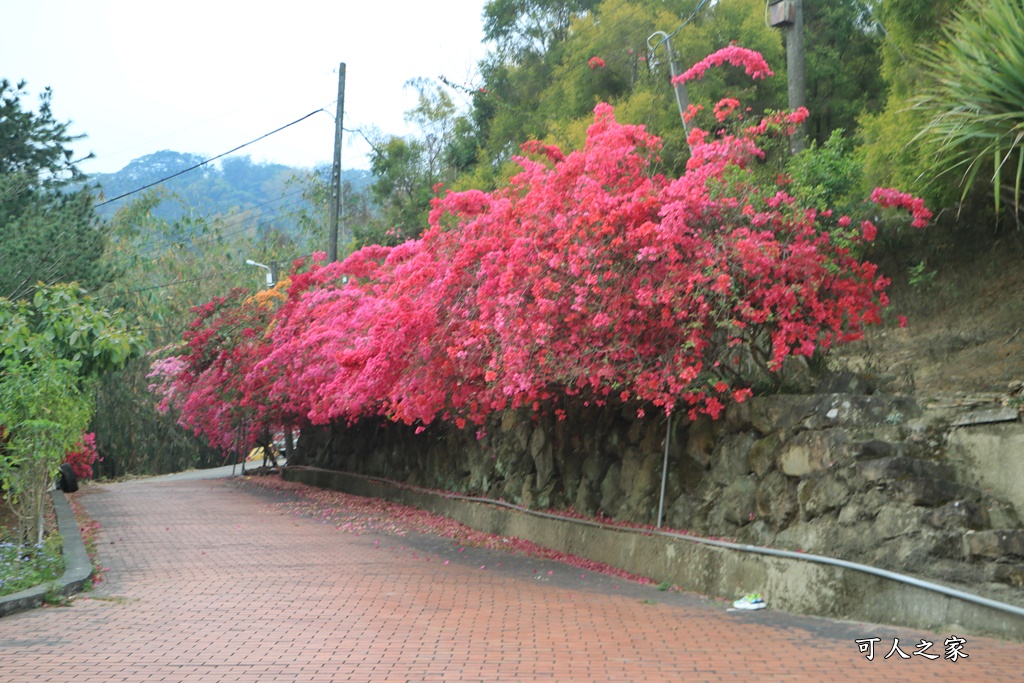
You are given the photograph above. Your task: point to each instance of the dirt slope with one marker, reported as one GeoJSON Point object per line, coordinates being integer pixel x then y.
{"type": "Point", "coordinates": [965, 332]}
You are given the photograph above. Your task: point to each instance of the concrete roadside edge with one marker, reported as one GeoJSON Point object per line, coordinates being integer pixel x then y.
{"type": "Point", "coordinates": [77, 566]}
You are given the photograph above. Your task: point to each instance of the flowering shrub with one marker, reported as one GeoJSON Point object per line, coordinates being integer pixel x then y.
{"type": "Point", "coordinates": [752, 62]}
{"type": "Point", "coordinates": [83, 455]}
{"type": "Point", "coordinates": [588, 278]}
{"type": "Point", "coordinates": [205, 383]}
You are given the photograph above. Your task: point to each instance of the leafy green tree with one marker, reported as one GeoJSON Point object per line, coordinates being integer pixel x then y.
{"type": "Point", "coordinates": [52, 349]}
{"type": "Point", "coordinates": [526, 36]}
{"type": "Point", "coordinates": [520, 28]}
{"type": "Point", "coordinates": [43, 411]}
{"type": "Point", "coordinates": [47, 233]}
{"type": "Point", "coordinates": [34, 143]}
{"type": "Point", "coordinates": [407, 170]}
{"type": "Point", "coordinates": [64, 322]}
{"type": "Point", "coordinates": [843, 45]}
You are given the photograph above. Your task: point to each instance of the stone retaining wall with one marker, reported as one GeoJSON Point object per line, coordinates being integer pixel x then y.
{"type": "Point", "coordinates": [864, 477]}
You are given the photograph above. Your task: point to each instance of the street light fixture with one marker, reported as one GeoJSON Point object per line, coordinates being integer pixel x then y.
{"type": "Point", "coordinates": [270, 271]}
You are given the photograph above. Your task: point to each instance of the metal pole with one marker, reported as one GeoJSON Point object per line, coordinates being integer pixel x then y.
{"type": "Point", "coordinates": [664, 471]}
{"type": "Point", "coordinates": [682, 96]}
{"type": "Point", "coordinates": [332, 242]}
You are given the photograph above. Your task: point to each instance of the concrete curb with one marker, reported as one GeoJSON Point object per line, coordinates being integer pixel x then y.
{"type": "Point", "coordinates": [77, 567]}
{"type": "Point", "coordinates": [789, 585]}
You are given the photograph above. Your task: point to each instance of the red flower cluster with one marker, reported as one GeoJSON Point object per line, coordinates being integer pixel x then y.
{"type": "Point", "coordinates": [887, 197]}
{"type": "Point", "coordinates": [83, 456]}
{"type": "Point", "coordinates": [595, 63]}
{"type": "Point", "coordinates": [725, 107]}
{"type": "Point", "coordinates": [589, 276]}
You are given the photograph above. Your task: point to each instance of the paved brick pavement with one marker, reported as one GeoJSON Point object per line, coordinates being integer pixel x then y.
{"type": "Point", "coordinates": [210, 581]}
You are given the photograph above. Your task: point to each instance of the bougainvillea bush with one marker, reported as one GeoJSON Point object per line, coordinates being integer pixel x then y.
{"type": "Point", "coordinates": [205, 380]}
{"type": "Point", "coordinates": [589, 278]}
{"type": "Point", "coordinates": [83, 456]}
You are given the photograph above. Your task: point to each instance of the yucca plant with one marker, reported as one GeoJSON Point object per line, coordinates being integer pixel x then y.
{"type": "Point", "coordinates": [974, 99]}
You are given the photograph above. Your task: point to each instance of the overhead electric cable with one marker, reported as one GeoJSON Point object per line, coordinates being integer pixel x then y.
{"type": "Point", "coordinates": [203, 163]}
{"type": "Point", "coordinates": [688, 19]}
{"type": "Point", "coordinates": [263, 218]}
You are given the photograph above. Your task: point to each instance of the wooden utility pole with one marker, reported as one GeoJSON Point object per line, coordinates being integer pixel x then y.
{"type": "Point", "coordinates": [795, 70]}
{"type": "Point", "coordinates": [336, 207]}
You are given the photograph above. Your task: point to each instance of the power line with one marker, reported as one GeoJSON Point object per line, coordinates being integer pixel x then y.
{"type": "Point", "coordinates": [203, 163]}
{"type": "Point", "coordinates": [154, 244]}
{"type": "Point", "coordinates": [205, 278]}
{"type": "Point", "coordinates": [685, 22]}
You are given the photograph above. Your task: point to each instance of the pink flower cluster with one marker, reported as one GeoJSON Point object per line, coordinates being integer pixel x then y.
{"type": "Point", "coordinates": [725, 107]}
{"type": "Point", "coordinates": [752, 62]}
{"type": "Point", "coordinates": [887, 197]}
{"type": "Point", "coordinates": [595, 63]}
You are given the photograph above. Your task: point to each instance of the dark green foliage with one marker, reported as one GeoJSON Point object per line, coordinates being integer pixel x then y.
{"type": "Point", "coordinates": [47, 232]}
{"type": "Point", "coordinates": [523, 27]}
{"type": "Point", "coordinates": [135, 439]}
{"type": "Point", "coordinates": [47, 236]}
{"type": "Point", "coordinates": [827, 176]}
{"type": "Point", "coordinates": [33, 144]}
{"type": "Point", "coordinates": [843, 65]}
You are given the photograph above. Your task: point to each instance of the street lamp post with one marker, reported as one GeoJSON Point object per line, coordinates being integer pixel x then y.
{"type": "Point", "coordinates": [270, 271]}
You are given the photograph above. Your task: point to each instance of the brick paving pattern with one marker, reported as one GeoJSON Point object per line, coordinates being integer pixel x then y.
{"type": "Point", "coordinates": [211, 581]}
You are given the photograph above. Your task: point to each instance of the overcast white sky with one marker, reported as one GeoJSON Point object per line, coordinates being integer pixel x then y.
{"type": "Point", "coordinates": [204, 76]}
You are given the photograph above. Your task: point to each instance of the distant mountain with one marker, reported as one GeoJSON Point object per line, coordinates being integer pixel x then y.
{"type": "Point", "coordinates": [231, 185]}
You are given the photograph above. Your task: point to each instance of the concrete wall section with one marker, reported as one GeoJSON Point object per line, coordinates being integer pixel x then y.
{"type": "Point", "coordinates": [998, 454]}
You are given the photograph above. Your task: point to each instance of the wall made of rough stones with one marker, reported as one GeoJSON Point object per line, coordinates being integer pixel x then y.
{"type": "Point", "coordinates": [861, 476]}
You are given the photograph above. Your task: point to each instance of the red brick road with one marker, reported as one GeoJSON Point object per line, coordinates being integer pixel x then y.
{"type": "Point", "coordinates": [209, 581]}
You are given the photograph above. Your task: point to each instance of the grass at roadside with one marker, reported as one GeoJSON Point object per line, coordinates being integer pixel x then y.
{"type": "Point", "coordinates": [25, 566]}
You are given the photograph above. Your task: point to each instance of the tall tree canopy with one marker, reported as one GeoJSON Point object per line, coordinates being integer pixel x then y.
{"type": "Point", "coordinates": [48, 233]}
{"type": "Point", "coordinates": [843, 63]}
